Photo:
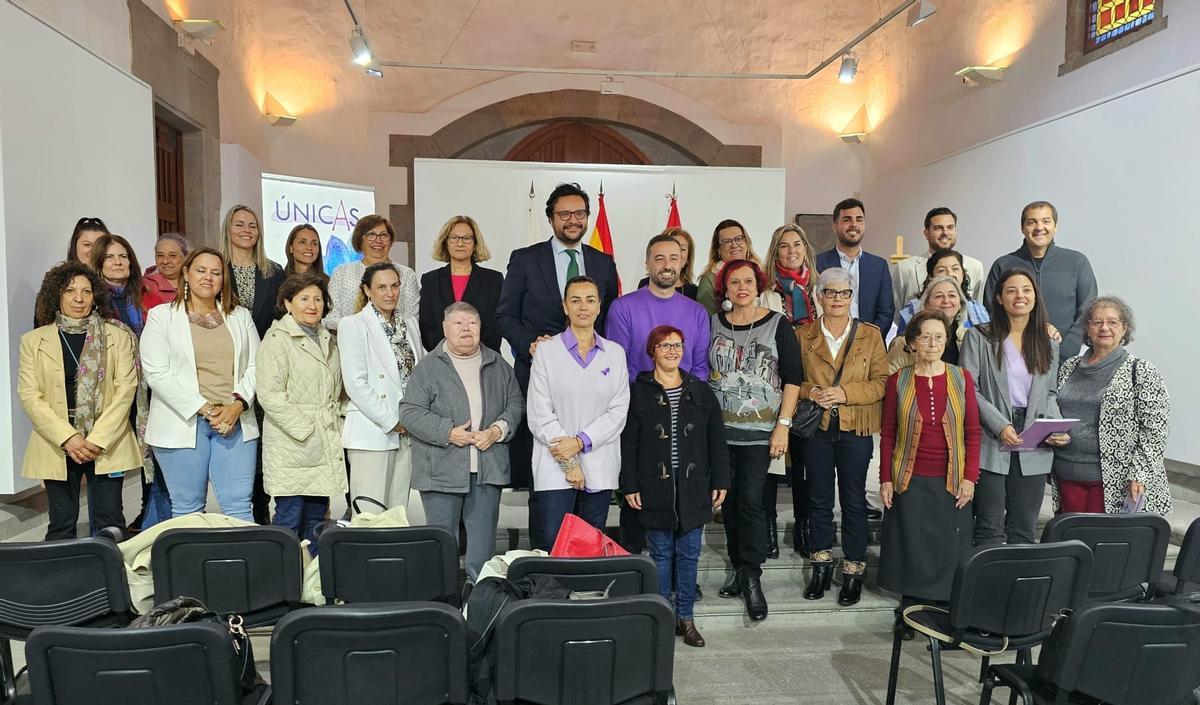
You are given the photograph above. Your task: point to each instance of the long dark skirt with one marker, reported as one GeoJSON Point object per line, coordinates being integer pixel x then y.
{"type": "Point", "coordinates": [924, 540]}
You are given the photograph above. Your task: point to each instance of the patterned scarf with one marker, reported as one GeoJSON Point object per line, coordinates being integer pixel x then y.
{"type": "Point", "coordinates": [910, 422]}
{"type": "Point", "coordinates": [797, 299]}
{"type": "Point", "coordinates": [397, 334]}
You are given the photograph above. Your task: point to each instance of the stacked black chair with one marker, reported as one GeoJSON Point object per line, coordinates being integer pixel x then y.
{"type": "Point", "coordinates": [1128, 550]}
{"type": "Point", "coordinates": [1115, 653]}
{"type": "Point", "coordinates": [627, 575]}
{"type": "Point", "coordinates": [410, 654]}
{"type": "Point", "coordinates": [405, 564]}
{"type": "Point", "coordinates": [80, 582]}
{"type": "Point", "coordinates": [1004, 598]}
{"type": "Point", "coordinates": [1185, 577]}
{"type": "Point", "coordinates": [184, 664]}
{"type": "Point", "coordinates": [254, 571]}
{"type": "Point", "coordinates": [617, 651]}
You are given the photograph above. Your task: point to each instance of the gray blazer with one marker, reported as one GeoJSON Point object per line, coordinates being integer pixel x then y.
{"type": "Point", "coordinates": [435, 401]}
{"type": "Point", "coordinates": [995, 409]}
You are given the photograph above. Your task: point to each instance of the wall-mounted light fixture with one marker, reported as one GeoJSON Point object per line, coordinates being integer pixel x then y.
{"type": "Point", "coordinates": [276, 114]}
{"type": "Point", "coordinates": [856, 130]}
{"type": "Point", "coordinates": [188, 32]}
{"type": "Point", "coordinates": [920, 12]}
{"type": "Point", "coordinates": [980, 75]}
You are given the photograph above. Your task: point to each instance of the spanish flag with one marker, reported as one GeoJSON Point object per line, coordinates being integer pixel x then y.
{"type": "Point", "coordinates": [601, 236]}
{"type": "Point", "coordinates": [673, 215]}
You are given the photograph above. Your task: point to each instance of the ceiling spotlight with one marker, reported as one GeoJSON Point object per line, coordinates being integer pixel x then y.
{"type": "Point", "coordinates": [980, 75]}
{"type": "Point", "coordinates": [849, 68]}
{"type": "Point", "coordinates": [373, 69]}
{"type": "Point", "coordinates": [359, 50]}
{"type": "Point", "coordinates": [919, 12]}
{"type": "Point", "coordinates": [188, 32]}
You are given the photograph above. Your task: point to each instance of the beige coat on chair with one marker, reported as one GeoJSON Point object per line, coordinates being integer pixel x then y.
{"type": "Point", "coordinates": [300, 388]}
{"type": "Point", "coordinates": [41, 387]}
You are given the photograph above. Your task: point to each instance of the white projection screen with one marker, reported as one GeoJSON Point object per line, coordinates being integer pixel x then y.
{"type": "Point", "coordinates": [76, 139]}
{"type": "Point", "coordinates": [332, 208]}
{"type": "Point", "coordinates": [496, 195]}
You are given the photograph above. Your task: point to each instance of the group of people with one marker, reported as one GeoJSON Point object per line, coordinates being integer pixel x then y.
{"type": "Point", "coordinates": [222, 368]}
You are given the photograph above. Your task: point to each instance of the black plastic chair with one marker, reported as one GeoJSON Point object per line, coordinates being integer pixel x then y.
{"type": "Point", "coordinates": [184, 664]}
{"type": "Point", "coordinates": [1004, 598]}
{"type": "Point", "coordinates": [1128, 550]}
{"type": "Point", "coordinates": [1111, 652]}
{"type": "Point", "coordinates": [411, 654]}
{"type": "Point", "coordinates": [79, 582]}
{"type": "Point", "coordinates": [1185, 577]}
{"type": "Point", "coordinates": [254, 571]}
{"type": "Point", "coordinates": [403, 564]}
{"type": "Point", "coordinates": [628, 575]}
{"type": "Point", "coordinates": [613, 651]}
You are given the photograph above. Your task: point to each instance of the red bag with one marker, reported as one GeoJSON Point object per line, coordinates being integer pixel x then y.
{"type": "Point", "coordinates": [579, 539]}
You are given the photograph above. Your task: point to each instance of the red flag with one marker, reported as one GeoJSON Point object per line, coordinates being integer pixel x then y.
{"type": "Point", "coordinates": [601, 236]}
{"type": "Point", "coordinates": [673, 216]}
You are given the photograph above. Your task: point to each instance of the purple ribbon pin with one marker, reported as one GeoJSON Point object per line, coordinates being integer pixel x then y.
{"type": "Point", "coordinates": [605, 371]}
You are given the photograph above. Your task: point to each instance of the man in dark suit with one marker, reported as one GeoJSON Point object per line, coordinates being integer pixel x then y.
{"type": "Point", "coordinates": [531, 303]}
{"type": "Point", "coordinates": [872, 280]}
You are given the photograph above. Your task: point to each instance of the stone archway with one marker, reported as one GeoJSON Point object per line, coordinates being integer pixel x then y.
{"type": "Point", "coordinates": [472, 128]}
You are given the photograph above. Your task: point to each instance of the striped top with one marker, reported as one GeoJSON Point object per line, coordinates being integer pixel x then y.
{"type": "Point", "coordinates": [673, 397]}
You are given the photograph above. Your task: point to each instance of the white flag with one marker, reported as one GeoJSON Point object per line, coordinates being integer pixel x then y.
{"type": "Point", "coordinates": [533, 223]}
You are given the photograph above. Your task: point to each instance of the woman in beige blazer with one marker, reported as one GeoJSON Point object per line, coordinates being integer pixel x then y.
{"type": "Point", "coordinates": [77, 380]}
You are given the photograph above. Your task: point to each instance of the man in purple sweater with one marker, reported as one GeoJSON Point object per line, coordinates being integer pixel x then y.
{"type": "Point", "coordinates": [632, 316]}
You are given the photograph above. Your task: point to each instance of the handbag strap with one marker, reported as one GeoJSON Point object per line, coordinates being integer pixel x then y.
{"type": "Point", "coordinates": [946, 638]}
{"type": "Point", "coordinates": [837, 378]}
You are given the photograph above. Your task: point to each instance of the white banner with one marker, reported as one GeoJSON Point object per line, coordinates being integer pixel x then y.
{"type": "Point", "coordinates": [332, 208]}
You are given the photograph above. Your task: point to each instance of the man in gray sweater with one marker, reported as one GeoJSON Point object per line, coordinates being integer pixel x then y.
{"type": "Point", "coordinates": [1064, 277]}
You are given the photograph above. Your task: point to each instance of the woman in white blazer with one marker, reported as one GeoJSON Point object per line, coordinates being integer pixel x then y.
{"type": "Point", "coordinates": [380, 346]}
{"type": "Point", "coordinates": [198, 358]}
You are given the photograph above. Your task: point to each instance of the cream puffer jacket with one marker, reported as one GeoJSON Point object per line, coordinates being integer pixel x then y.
{"type": "Point", "coordinates": [300, 390]}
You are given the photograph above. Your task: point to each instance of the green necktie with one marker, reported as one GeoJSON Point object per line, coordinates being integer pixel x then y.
{"type": "Point", "coordinates": [573, 267]}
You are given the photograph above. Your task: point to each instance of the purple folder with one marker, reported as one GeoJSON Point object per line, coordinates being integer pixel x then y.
{"type": "Point", "coordinates": [1032, 437]}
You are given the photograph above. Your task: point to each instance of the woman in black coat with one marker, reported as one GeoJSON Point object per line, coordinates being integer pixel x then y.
{"type": "Point", "coordinates": [461, 245]}
{"type": "Point", "coordinates": [674, 468]}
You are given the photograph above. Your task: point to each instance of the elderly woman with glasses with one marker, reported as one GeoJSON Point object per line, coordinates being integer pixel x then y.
{"type": "Point", "coordinates": [730, 243]}
{"type": "Point", "coordinates": [929, 463]}
{"type": "Point", "coordinates": [373, 237]}
{"type": "Point", "coordinates": [1115, 456]}
{"type": "Point", "coordinates": [840, 451]}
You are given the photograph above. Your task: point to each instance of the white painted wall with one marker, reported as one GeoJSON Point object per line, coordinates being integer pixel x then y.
{"type": "Point", "coordinates": [59, 163]}
{"type": "Point", "coordinates": [1123, 175]}
{"type": "Point", "coordinates": [241, 180]}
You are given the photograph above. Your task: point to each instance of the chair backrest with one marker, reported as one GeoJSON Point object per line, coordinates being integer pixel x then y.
{"type": "Point", "coordinates": [410, 654]}
{"type": "Point", "coordinates": [1126, 653]}
{"type": "Point", "coordinates": [1187, 563]}
{"type": "Point", "coordinates": [1019, 590]}
{"type": "Point", "coordinates": [254, 571]}
{"type": "Point", "coordinates": [628, 575]}
{"type": "Point", "coordinates": [75, 582]}
{"type": "Point", "coordinates": [1128, 550]}
{"type": "Point", "coordinates": [401, 564]}
{"type": "Point", "coordinates": [184, 664]}
{"type": "Point", "coordinates": [556, 652]}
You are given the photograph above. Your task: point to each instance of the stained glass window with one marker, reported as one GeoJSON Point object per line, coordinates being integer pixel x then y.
{"type": "Point", "coordinates": [1109, 19]}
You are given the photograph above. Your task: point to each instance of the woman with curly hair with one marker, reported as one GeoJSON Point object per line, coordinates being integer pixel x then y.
{"type": "Point", "coordinates": [76, 381]}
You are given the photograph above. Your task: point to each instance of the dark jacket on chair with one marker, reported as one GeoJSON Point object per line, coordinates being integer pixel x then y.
{"type": "Point", "coordinates": [483, 292]}
{"type": "Point", "coordinates": [646, 453]}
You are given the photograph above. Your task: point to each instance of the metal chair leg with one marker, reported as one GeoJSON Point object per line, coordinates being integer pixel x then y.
{"type": "Point", "coordinates": [8, 681]}
{"type": "Point", "coordinates": [1024, 656]}
{"type": "Point", "coordinates": [939, 688]}
{"type": "Point", "coordinates": [894, 669]}
{"type": "Point", "coordinates": [983, 668]}
{"type": "Point", "coordinates": [985, 697]}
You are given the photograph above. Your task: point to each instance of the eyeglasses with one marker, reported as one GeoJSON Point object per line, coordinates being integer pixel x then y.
{"type": "Point", "coordinates": [564, 216]}
{"type": "Point", "coordinates": [1110, 322]}
{"type": "Point", "coordinates": [463, 239]}
{"type": "Point", "coordinates": [377, 236]}
{"type": "Point", "coordinates": [934, 340]}
{"type": "Point", "coordinates": [670, 347]}
{"type": "Point", "coordinates": [838, 293]}
{"type": "Point", "coordinates": [736, 240]}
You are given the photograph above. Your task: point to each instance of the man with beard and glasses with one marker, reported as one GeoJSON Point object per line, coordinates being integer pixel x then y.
{"type": "Point", "coordinates": [872, 280]}
{"type": "Point", "coordinates": [1064, 277]}
{"type": "Point", "coordinates": [530, 310]}
{"type": "Point", "coordinates": [941, 232]}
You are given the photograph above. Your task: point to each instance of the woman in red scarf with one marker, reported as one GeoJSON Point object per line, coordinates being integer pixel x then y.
{"type": "Point", "coordinates": [790, 258]}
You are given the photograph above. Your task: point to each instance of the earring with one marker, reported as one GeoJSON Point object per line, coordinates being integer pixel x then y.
{"type": "Point", "coordinates": [726, 305]}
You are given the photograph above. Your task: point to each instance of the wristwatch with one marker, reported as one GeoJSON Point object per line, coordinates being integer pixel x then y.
{"type": "Point", "coordinates": [784, 421]}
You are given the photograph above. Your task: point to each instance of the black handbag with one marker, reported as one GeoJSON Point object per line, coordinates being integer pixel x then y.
{"type": "Point", "coordinates": [807, 418]}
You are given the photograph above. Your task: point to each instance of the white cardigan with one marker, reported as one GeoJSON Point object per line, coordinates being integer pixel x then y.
{"type": "Point", "coordinates": [372, 380]}
{"type": "Point", "coordinates": [566, 399]}
{"type": "Point", "coordinates": [169, 364]}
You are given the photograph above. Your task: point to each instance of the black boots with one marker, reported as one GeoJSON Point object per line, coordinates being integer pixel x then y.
{"type": "Point", "coordinates": [852, 580]}
{"type": "Point", "coordinates": [800, 537]}
{"type": "Point", "coordinates": [732, 586]}
{"type": "Point", "coordinates": [822, 575]}
{"type": "Point", "coordinates": [756, 601]}
{"type": "Point", "coordinates": [772, 538]}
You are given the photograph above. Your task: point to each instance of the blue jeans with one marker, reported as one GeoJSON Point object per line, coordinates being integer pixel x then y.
{"type": "Point", "coordinates": [227, 462]}
{"type": "Point", "coordinates": [301, 514]}
{"type": "Point", "coordinates": [158, 505]}
{"type": "Point", "coordinates": [553, 505]}
{"type": "Point", "coordinates": [678, 552]}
